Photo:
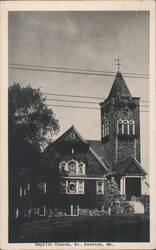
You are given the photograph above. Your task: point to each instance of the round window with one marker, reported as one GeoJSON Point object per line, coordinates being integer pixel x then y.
{"type": "Point", "coordinates": [72, 187]}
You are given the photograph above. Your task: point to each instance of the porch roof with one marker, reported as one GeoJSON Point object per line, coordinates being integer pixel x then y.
{"type": "Point", "coordinates": [129, 166]}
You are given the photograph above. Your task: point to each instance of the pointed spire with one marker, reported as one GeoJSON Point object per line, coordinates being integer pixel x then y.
{"type": "Point", "coordinates": [119, 87]}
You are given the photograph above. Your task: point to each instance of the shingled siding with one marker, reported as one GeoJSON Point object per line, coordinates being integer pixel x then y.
{"type": "Point", "coordinates": [93, 166]}
{"type": "Point", "coordinates": [128, 146]}
{"type": "Point", "coordinates": [88, 200]}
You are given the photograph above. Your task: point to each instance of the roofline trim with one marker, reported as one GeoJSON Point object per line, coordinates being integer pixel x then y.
{"type": "Point", "coordinates": [139, 165]}
{"type": "Point", "coordinates": [75, 130]}
{"type": "Point", "coordinates": [84, 177]}
{"type": "Point", "coordinates": [98, 158]}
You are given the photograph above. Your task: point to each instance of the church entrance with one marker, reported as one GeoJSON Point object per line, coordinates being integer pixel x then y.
{"type": "Point", "coordinates": [133, 187]}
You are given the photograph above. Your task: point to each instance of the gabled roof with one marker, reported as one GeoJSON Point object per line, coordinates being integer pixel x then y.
{"type": "Point", "coordinates": [98, 148]}
{"type": "Point", "coordinates": [98, 159]}
{"type": "Point", "coordinates": [130, 166]}
{"type": "Point", "coordinates": [119, 87]}
{"type": "Point", "coordinates": [71, 134]}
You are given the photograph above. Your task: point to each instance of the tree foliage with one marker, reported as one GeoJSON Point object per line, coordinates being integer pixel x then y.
{"type": "Point", "coordinates": [31, 125]}
{"type": "Point", "coordinates": [115, 203]}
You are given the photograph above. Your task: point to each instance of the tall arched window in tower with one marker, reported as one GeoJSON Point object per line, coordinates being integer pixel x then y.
{"type": "Point", "coordinates": [105, 129]}
{"type": "Point", "coordinates": [132, 127]}
{"type": "Point", "coordinates": [120, 128]}
{"type": "Point", "coordinates": [126, 127]}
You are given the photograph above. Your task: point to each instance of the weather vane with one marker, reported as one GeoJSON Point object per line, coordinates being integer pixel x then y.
{"type": "Point", "coordinates": [118, 62]}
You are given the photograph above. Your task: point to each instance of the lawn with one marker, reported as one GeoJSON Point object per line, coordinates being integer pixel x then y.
{"type": "Point", "coordinates": [134, 228]}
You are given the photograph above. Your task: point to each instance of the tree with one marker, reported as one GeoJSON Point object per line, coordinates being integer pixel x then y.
{"type": "Point", "coordinates": [113, 202]}
{"type": "Point", "coordinates": [31, 127]}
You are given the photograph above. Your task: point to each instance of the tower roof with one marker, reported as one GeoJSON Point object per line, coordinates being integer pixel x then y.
{"type": "Point", "coordinates": [119, 87]}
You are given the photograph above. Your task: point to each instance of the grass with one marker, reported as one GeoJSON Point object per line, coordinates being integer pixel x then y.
{"type": "Point", "coordinates": [133, 228]}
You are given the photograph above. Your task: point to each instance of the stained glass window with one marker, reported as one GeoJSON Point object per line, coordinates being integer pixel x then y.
{"type": "Point", "coordinates": [72, 187]}
{"type": "Point", "coordinates": [72, 167]}
{"type": "Point", "coordinates": [75, 187]}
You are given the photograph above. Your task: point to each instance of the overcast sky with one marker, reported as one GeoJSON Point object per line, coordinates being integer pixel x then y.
{"type": "Point", "coordinates": [86, 40]}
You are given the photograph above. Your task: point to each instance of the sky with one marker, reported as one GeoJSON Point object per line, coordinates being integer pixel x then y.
{"type": "Point", "coordinates": [85, 40]}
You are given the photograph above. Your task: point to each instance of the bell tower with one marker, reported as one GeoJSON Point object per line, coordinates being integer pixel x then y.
{"type": "Point", "coordinates": [120, 124]}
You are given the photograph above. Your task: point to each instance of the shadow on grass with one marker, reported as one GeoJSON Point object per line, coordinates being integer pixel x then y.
{"type": "Point", "coordinates": [133, 228]}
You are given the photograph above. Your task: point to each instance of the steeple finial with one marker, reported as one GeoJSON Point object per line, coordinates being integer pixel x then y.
{"type": "Point", "coordinates": [118, 63]}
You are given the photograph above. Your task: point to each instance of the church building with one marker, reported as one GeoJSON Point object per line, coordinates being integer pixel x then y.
{"type": "Point", "coordinates": [85, 166]}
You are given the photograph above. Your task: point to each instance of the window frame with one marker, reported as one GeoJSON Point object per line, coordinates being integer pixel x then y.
{"type": "Point", "coordinates": [126, 127]}
{"type": "Point", "coordinates": [68, 170]}
{"type": "Point", "coordinates": [83, 168]}
{"type": "Point", "coordinates": [77, 192]}
{"type": "Point", "coordinates": [123, 123]}
{"type": "Point", "coordinates": [43, 189]}
{"type": "Point", "coordinates": [97, 187]}
{"type": "Point", "coordinates": [105, 129]}
{"type": "Point", "coordinates": [120, 122]}
{"type": "Point", "coordinates": [60, 167]}
{"type": "Point", "coordinates": [132, 122]}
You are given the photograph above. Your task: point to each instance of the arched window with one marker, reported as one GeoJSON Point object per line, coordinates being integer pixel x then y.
{"type": "Point", "coordinates": [131, 127]}
{"type": "Point", "coordinates": [72, 167]}
{"type": "Point", "coordinates": [126, 127]}
{"type": "Point", "coordinates": [63, 167]}
{"type": "Point", "coordinates": [120, 127]}
{"type": "Point", "coordinates": [81, 169]}
{"type": "Point", "coordinates": [105, 129]}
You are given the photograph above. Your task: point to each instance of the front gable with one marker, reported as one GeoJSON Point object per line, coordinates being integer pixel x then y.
{"type": "Point", "coordinates": [72, 146]}
{"type": "Point", "coordinates": [71, 135]}
{"type": "Point", "coordinates": [71, 141]}
{"type": "Point", "coordinates": [93, 166]}
{"type": "Point", "coordinates": [132, 167]}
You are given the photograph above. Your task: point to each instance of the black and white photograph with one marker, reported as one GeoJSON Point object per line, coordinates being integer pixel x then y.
{"type": "Point", "coordinates": [78, 126]}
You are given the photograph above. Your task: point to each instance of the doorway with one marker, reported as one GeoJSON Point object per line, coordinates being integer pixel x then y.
{"type": "Point", "coordinates": [133, 187]}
